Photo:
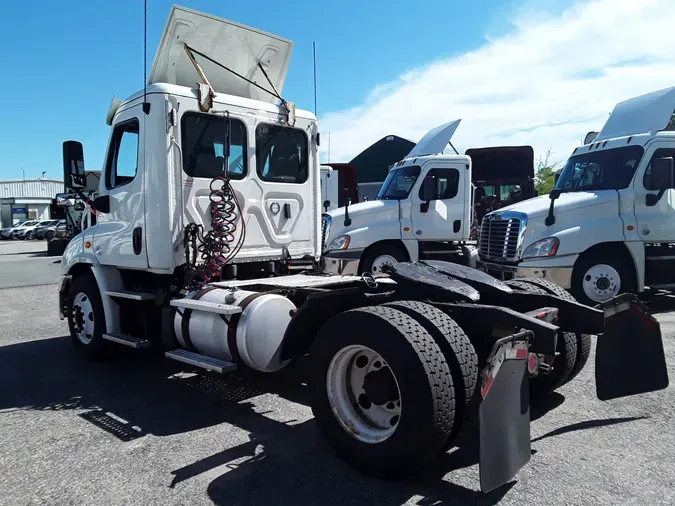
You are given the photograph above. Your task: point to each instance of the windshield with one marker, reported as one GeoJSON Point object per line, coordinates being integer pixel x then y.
{"type": "Point", "coordinates": [612, 169]}
{"type": "Point", "coordinates": [398, 184]}
{"type": "Point", "coordinates": [28, 224]}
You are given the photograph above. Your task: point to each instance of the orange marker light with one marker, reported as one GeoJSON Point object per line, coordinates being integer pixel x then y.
{"type": "Point", "coordinates": [630, 227]}
{"type": "Point", "coordinates": [87, 244]}
{"type": "Point", "coordinates": [406, 229]}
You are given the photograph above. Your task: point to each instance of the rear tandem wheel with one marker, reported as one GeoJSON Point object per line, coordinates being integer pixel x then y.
{"type": "Point", "coordinates": [566, 349]}
{"type": "Point", "coordinates": [459, 353]}
{"type": "Point", "coordinates": [382, 392]}
{"type": "Point", "coordinates": [583, 340]}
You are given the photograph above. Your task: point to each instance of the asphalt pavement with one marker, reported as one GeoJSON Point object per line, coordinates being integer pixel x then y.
{"type": "Point", "coordinates": [25, 263]}
{"type": "Point", "coordinates": [139, 430]}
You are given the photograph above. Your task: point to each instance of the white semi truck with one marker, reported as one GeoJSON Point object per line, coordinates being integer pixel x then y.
{"type": "Point", "coordinates": [608, 226]}
{"type": "Point", "coordinates": [425, 207]}
{"type": "Point", "coordinates": [210, 198]}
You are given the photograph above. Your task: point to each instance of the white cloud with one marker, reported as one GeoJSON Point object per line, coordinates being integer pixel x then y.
{"type": "Point", "coordinates": [548, 83]}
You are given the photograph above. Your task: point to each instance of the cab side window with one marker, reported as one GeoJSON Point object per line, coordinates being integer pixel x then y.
{"type": "Point", "coordinates": [122, 162]}
{"type": "Point", "coordinates": [659, 153]}
{"type": "Point", "coordinates": [447, 183]}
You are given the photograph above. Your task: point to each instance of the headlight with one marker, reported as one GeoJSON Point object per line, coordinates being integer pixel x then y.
{"type": "Point", "coordinates": [341, 242]}
{"type": "Point", "coordinates": [543, 248]}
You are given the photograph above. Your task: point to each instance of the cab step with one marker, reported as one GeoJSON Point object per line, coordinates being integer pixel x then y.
{"type": "Point", "coordinates": [126, 294]}
{"type": "Point", "coordinates": [208, 363]}
{"type": "Point", "coordinates": [131, 341]}
{"type": "Point", "coordinates": [209, 307]}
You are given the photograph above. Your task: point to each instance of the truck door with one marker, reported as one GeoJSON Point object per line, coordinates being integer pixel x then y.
{"type": "Point", "coordinates": [654, 223]}
{"type": "Point", "coordinates": [445, 216]}
{"type": "Point", "coordinates": [119, 237]}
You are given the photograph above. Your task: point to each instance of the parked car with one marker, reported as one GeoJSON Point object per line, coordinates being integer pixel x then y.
{"type": "Point", "coordinates": [26, 232]}
{"type": "Point", "coordinates": [48, 231]}
{"type": "Point", "coordinates": [41, 231]}
{"type": "Point", "coordinates": [6, 233]}
{"type": "Point", "coordinates": [9, 233]}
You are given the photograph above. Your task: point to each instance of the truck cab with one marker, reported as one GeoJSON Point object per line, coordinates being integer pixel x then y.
{"type": "Point", "coordinates": [423, 206]}
{"type": "Point", "coordinates": [607, 227]}
{"type": "Point", "coordinates": [162, 196]}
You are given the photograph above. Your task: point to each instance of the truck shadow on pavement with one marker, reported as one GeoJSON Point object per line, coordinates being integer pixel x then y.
{"type": "Point", "coordinates": [284, 461]}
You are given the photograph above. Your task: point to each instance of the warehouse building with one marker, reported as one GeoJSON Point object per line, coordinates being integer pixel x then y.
{"type": "Point", "coordinates": [34, 199]}
{"type": "Point", "coordinates": [27, 199]}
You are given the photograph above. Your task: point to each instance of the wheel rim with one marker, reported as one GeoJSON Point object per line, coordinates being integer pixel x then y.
{"type": "Point", "coordinates": [363, 394]}
{"type": "Point", "coordinates": [380, 262]}
{"type": "Point", "coordinates": [83, 318]}
{"type": "Point", "coordinates": [601, 282]}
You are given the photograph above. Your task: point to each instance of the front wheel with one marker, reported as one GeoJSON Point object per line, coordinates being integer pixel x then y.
{"type": "Point", "coordinates": [382, 392]}
{"type": "Point", "coordinates": [86, 319]}
{"type": "Point", "coordinates": [380, 255]}
{"type": "Point", "coordinates": [601, 275]}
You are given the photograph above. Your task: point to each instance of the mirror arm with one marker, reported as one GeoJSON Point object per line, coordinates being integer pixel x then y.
{"type": "Point", "coordinates": [658, 196]}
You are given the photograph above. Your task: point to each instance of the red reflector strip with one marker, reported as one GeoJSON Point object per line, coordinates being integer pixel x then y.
{"type": "Point", "coordinates": [521, 353]}
{"type": "Point", "coordinates": [486, 388]}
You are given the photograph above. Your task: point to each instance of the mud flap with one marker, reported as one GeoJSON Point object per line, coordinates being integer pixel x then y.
{"type": "Point", "coordinates": [629, 358]}
{"type": "Point", "coordinates": [504, 413]}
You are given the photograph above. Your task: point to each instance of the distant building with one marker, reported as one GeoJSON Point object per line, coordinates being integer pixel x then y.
{"type": "Point", "coordinates": [33, 199]}
{"type": "Point", "coordinates": [27, 199]}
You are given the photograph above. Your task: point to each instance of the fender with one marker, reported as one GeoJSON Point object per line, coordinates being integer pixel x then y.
{"type": "Point", "coordinates": [107, 279]}
{"type": "Point", "coordinates": [637, 253]}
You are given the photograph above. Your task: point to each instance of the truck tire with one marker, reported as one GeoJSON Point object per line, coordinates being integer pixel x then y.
{"type": "Point", "coordinates": [601, 274]}
{"type": "Point", "coordinates": [382, 393]}
{"type": "Point", "coordinates": [86, 319]}
{"type": "Point", "coordinates": [584, 341]}
{"type": "Point", "coordinates": [379, 255]}
{"type": "Point", "coordinates": [458, 351]}
{"type": "Point", "coordinates": [566, 347]}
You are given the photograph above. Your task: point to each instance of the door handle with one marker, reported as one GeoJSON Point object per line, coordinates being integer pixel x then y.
{"type": "Point", "coordinates": [137, 240]}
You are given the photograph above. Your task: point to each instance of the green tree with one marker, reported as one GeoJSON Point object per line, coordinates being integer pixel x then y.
{"type": "Point", "coordinates": [544, 176]}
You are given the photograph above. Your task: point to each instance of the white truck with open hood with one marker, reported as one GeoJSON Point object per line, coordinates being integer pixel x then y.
{"type": "Point", "coordinates": [425, 207]}
{"type": "Point", "coordinates": [210, 199]}
{"type": "Point", "coordinates": [609, 224]}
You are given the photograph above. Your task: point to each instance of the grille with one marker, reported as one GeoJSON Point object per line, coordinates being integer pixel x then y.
{"type": "Point", "coordinates": [499, 237]}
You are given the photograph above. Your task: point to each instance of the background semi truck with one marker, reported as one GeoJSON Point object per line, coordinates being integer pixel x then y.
{"type": "Point", "coordinates": [210, 199]}
{"type": "Point", "coordinates": [608, 226]}
{"type": "Point", "coordinates": [427, 206]}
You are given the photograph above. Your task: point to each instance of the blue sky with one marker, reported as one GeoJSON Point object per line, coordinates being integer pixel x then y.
{"type": "Point", "coordinates": [539, 72]}
{"type": "Point", "coordinates": [66, 59]}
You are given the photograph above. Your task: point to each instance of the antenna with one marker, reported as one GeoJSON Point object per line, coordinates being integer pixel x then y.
{"type": "Point", "coordinates": [328, 147]}
{"type": "Point", "coordinates": [146, 106]}
{"type": "Point", "coordinates": [314, 58]}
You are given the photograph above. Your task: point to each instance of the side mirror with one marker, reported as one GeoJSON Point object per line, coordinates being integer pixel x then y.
{"type": "Point", "coordinates": [74, 176]}
{"type": "Point", "coordinates": [326, 204]}
{"type": "Point", "coordinates": [555, 193]}
{"type": "Point", "coordinates": [662, 174]}
{"type": "Point", "coordinates": [428, 189]}
{"type": "Point", "coordinates": [63, 199]}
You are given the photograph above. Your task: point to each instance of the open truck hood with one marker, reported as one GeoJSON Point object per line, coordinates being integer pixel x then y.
{"type": "Point", "coordinates": [235, 46]}
{"type": "Point", "coordinates": [647, 113]}
{"type": "Point", "coordinates": [501, 163]}
{"type": "Point", "coordinates": [435, 140]}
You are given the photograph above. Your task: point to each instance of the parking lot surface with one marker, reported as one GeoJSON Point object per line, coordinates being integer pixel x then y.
{"type": "Point", "coordinates": [139, 430]}
{"type": "Point", "coordinates": [25, 263]}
